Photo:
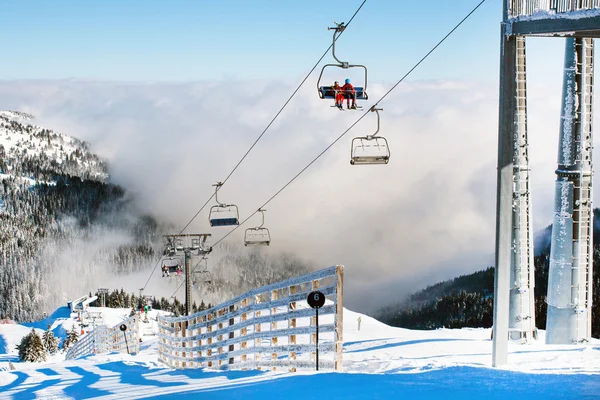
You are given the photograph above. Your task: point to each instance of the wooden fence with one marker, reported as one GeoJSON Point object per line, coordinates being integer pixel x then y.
{"type": "Point", "coordinates": [269, 327]}
{"type": "Point", "coordinates": [103, 339]}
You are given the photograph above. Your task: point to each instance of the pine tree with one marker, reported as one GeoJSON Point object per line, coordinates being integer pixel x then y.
{"type": "Point", "coordinates": [50, 342]}
{"type": "Point", "coordinates": [24, 348]}
{"type": "Point", "coordinates": [38, 350]}
{"type": "Point", "coordinates": [32, 348]}
{"type": "Point", "coordinates": [72, 338]}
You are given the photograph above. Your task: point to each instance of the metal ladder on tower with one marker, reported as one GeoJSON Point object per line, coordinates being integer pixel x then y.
{"type": "Point", "coordinates": [583, 190]}
{"type": "Point", "coordinates": [522, 200]}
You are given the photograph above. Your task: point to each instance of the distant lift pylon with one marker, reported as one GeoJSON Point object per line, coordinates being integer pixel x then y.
{"type": "Point", "coordinates": [327, 92]}
{"type": "Point", "coordinates": [258, 236]}
{"type": "Point", "coordinates": [370, 149]}
{"type": "Point", "coordinates": [223, 214]}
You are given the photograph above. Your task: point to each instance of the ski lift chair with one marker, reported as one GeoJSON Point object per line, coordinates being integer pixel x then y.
{"type": "Point", "coordinates": [223, 214]}
{"type": "Point", "coordinates": [258, 236]}
{"type": "Point", "coordinates": [201, 275]}
{"type": "Point", "coordinates": [370, 149]}
{"type": "Point", "coordinates": [327, 92]}
{"type": "Point", "coordinates": [171, 267]}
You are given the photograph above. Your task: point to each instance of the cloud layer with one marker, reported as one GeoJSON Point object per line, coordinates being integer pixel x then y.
{"type": "Point", "coordinates": [427, 215]}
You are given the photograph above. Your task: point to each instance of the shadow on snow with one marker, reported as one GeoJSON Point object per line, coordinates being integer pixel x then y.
{"type": "Point", "coordinates": [448, 383]}
{"type": "Point", "coordinates": [405, 343]}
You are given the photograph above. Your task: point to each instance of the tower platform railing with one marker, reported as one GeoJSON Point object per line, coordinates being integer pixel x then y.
{"type": "Point", "coordinates": [524, 8]}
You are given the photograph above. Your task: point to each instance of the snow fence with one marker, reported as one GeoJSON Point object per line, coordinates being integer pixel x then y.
{"type": "Point", "coordinates": [526, 8]}
{"type": "Point", "coordinates": [269, 327]}
{"type": "Point", "coordinates": [108, 340]}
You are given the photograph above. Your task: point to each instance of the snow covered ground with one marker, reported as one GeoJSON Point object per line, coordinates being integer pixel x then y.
{"type": "Point", "coordinates": [380, 362]}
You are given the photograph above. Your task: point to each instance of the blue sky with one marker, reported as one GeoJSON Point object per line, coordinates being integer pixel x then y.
{"type": "Point", "coordinates": [193, 40]}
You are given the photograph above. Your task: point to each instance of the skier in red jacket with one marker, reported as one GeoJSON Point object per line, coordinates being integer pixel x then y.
{"type": "Point", "coordinates": [338, 95]}
{"type": "Point", "coordinates": [349, 93]}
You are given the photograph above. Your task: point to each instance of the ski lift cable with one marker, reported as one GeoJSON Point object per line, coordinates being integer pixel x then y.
{"type": "Point", "coordinates": [357, 121]}
{"type": "Point", "coordinates": [177, 290]}
{"type": "Point", "coordinates": [151, 273]}
{"type": "Point", "coordinates": [354, 124]}
{"type": "Point", "coordinates": [275, 117]}
{"type": "Point", "coordinates": [431, 51]}
{"type": "Point", "coordinates": [265, 130]}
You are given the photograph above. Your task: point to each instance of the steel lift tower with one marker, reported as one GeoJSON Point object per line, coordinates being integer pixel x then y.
{"type": "Point", "coordinates": [569, 289]}
{"type": "Point", "coordinates": [571, 255]}
{"type": "Point", "coordinates": [188, 245]}
{"type": "Point", "coordinates": [521, 322]}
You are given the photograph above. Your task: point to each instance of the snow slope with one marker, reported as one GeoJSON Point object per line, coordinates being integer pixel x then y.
{"type": "Point", "coordinates": [380, 362]}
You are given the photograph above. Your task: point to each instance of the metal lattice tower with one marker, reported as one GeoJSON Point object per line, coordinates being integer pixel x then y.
{"type": "Point", "coordinates": [188, 244]}
{"type": "Point", "coordinates": [513, 307]}
{"type": "Point", "coordinates": [522, 311]}
{"type": "Point", "coordinates": [569, 278]}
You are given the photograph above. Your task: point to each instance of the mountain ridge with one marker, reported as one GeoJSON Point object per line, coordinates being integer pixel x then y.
{"type": "Point", "coordinates": [467, 300]}
{"type": "Point", "coordinates": [28, 150]}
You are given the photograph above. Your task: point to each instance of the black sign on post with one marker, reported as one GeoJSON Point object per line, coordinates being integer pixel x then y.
{"type": "Point", "coordinates": [123, 328]}
{"type": "Point", "coordinates": [316, 300]}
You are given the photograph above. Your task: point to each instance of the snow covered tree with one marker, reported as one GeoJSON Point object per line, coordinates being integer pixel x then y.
{"type": "Point", "coordinates": [72, 338]}
{"type": "Point", "coordinates": [32, 348]}
{"type": "Point", "coordinates": [50, 342]}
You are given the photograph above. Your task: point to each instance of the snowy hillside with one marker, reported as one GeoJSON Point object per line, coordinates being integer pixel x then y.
{"type": "Point", "coordinates": [53, 193]}
{"type": "Point", "coordinates": [380, 362]}
{"type": "Point", "coordinates": [30, 150]}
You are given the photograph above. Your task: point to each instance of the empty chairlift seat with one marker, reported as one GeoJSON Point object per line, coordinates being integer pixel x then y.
{"type": "Point", "coordinates": [257, 237]}
{"type": "Point", "coordinates": [370, 150]}
{"type": "Point", "coordinates": [224, 215]}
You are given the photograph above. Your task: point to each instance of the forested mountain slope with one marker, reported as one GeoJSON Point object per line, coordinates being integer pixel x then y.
{"type": "Point", "coordinates": [467, 301]}
{"type": "Point", "coordinates": [55, 208]}
{"type": "Point", "coordinates": [65, 228]}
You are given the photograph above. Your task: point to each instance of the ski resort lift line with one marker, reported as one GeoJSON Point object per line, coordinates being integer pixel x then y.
{"type": "Point", "coordinates": [327, 92]}
{"type": "Point", "coordinates": [223, 214]}
{"type": "Point", "coordinates": [370, 149]}
{"type": "Point", "coordinates": [258, 236]}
